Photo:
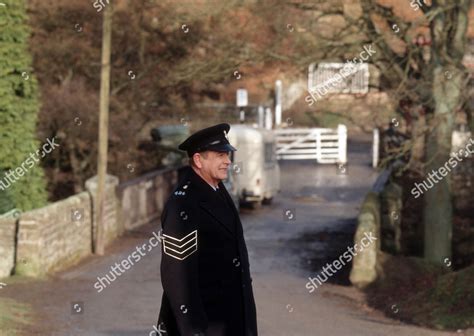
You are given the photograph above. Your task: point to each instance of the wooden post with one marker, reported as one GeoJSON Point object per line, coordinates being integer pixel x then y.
{"type": "Point", "coordinates": [268, 118]}
{"type": "Point", "coordinates": [278, 102]}
{"type": "Point", "coordinates": [261, 117]}
{"type": "Point", "coordinates": [99, 246]}
{"type": "Point", "coordinates": [342, 139]}
{"type": "Point", "coordinates": [375, 148]}
{"type": "Point", "coordinates": [319, 152]}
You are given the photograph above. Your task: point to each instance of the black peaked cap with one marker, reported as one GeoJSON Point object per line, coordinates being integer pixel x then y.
{"type": "Point", "coordinates": [213, 138]}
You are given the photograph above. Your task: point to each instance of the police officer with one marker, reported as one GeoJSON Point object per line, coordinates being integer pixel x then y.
{"type": "Point", "coordinates": [205, 268]}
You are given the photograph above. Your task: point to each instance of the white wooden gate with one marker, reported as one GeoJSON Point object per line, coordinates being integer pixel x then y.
{"type": "Point", "coordinates": [325, 145]}
{"type": "Point", "coordinates": [355, 77]}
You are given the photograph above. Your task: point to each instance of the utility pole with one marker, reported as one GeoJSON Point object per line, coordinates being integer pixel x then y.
{"type": "Point", "coordinates": [99, 247]}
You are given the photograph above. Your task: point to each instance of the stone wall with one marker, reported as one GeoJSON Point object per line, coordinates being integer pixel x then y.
{"type": "Point", "coordinates": [45, 240]}
{"type": "Point", "coordinates": [55, 236]}
{"type": "Point", "coordinates": [391, 210]}
{"type": "Point", "coordinates": [112, 217]}
{"type": "Point", "coordinates": [364, 264]}
{"type": "Point", "coordinates": [380, 215]}
{"type": "Point", "coordinates": [142, 199]}
{"type": "Point", "coordinates": [7, 246]}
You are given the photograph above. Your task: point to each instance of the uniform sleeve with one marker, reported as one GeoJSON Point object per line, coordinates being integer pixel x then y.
{"type": "Point", "coordinates": [179, 268]}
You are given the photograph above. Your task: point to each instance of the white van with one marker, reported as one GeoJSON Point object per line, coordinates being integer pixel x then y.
{"type": "Point", "coordinates": [255, 173]}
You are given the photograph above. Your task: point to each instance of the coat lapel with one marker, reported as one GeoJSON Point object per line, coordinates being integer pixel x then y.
{"type": "Point", "coordinates": [220, 213]}
{"type": "Point", "coordinates": [230, 201]}
{"type": "Point", "coordinates": [210, 202]}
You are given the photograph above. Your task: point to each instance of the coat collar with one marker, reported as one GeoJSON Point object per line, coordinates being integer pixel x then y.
{"type": "Point", "coordinates": [208, 199]}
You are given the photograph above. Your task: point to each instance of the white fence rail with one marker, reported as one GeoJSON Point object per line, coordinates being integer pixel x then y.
{"type": "Point", "coordinates": [325, 145]}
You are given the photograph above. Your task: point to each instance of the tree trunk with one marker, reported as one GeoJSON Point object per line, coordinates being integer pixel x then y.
{"type": "Point", "coordinates": [448, 32]}
{"type": "Point", "coordinates": [418, 132]}
{"type": "Point", "coordinates": [438, 211]}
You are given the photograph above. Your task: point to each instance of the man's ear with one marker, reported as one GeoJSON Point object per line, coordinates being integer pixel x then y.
{"type": "Point", "coordinates": [197, 160]}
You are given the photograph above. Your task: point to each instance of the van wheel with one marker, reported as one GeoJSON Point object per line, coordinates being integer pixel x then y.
{"type": "Point", "coordinates": [267, 201]}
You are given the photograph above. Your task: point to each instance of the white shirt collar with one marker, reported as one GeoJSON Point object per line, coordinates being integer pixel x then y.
{"type": "Point", "coordinates": [215, 188]}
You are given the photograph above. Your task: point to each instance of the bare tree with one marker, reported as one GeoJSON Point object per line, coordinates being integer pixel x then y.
{"type": "Point", "coordinates": [420, 59]}
{"type": "Point", "coordinates": [448, 26]}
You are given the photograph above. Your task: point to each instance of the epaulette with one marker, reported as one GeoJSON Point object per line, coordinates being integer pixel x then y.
{"type": "Point", "coordinates": [182, 189]}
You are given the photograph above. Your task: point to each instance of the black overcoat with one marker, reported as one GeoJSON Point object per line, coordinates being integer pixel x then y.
{"type": "Point", "coordinates": [204, 268]}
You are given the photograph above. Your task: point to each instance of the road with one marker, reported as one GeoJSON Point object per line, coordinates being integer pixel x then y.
{"type": "Point", "coordinates": [284, 248]}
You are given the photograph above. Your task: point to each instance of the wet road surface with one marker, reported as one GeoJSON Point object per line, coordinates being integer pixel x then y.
{"type": "Point", "coordinates": [311, 222]}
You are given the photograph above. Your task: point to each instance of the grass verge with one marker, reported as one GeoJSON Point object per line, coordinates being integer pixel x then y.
{"type": "Point", "coordinates": [14, 317]}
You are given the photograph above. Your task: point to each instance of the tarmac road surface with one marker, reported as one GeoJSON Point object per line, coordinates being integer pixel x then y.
{"type": "Point", "coordinates": [308, 224]}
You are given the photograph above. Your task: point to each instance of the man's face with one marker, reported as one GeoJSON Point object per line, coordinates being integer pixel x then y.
{"type": "Point", "coordinates": [214, 165]}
